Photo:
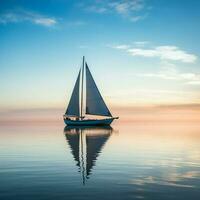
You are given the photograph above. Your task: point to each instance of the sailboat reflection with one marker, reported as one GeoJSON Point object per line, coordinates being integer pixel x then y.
{"type": "Point", "coordinates": [86, 144]}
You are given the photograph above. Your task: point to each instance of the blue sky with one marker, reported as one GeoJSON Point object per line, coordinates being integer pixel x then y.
{"type": "Point", "coordinates": [139, 51]}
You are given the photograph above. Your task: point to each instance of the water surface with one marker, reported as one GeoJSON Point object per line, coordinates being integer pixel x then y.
{"type": "Point", "coordinates": [127, 161]}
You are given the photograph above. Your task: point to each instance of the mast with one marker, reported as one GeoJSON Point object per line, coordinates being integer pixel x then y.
{"type": "Point", "coordinates": [82, 88]}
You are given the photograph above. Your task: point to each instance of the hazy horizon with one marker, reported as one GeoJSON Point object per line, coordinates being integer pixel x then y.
{"type": "Point", "coordinates": [153, 113]}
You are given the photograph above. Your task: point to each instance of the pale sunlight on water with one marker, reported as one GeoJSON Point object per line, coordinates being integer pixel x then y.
{"type": "Point", "coordinates": [127, 161]}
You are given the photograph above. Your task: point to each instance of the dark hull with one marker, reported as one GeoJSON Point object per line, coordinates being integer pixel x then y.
{"type": "Point", "coordinates": [89, 122]}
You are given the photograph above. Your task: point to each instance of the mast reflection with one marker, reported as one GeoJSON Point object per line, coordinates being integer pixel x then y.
{"type": "Point", "coordinates": [86, 144]}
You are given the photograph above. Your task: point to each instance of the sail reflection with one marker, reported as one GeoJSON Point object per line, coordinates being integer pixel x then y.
{"type": "Point", "coordinates": [86, 144]}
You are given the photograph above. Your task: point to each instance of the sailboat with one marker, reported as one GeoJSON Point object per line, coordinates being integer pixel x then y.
{"type": "Point", "coordinates": [86, 144]}
{"type": "Point", "coordinates": [94, 103]}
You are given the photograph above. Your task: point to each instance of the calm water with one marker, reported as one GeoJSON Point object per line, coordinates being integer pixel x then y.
{"type": "Point", "coordinates": [127, 161]}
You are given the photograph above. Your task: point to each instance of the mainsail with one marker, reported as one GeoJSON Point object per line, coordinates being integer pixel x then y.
{"type": "Point", "coordinates": [95, 104]}
{"type": "Point", "coordinates": [73, 107]}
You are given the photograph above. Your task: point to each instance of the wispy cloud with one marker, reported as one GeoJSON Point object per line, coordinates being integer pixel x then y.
{"type": "Point", "coordinates": [165, 53]}
{"type": "Point", "coordinates": [141, 43]}
{"type": "Point", "coordinates": [137, 18]}
{"type": "Point", "coordinates": [134, 10]}
{"type": "Point", "coordinates": [20, 15]}
{"type": "Point", "coordinates": [123, 46]}
{"type": "Point", "coordinates": [127, 6]}
{"type": "Point", "coordinates": [189, 78]}
{"type": "Point", "coordinates": [196, 82]}
{"type": "Point", "coordinates": [169, 72]}
{"type": "Point", "coordinates": [172, 53]}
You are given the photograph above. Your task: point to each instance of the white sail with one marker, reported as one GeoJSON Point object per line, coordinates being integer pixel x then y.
{"type": "Point", "coordinates": [95, 104]}
{"type": "Point", "coordinates": [73, 107]}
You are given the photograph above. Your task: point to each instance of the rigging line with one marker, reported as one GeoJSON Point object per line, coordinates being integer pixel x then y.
{"type": "Point", "coordinates": [82, 88]}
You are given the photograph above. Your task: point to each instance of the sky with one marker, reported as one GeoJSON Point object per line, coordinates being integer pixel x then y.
{"type": "Point", "coordinates": [140, 52]}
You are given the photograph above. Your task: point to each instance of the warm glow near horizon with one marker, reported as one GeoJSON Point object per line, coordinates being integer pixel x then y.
{"type": "Point", "coordinates": [185, 114]}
